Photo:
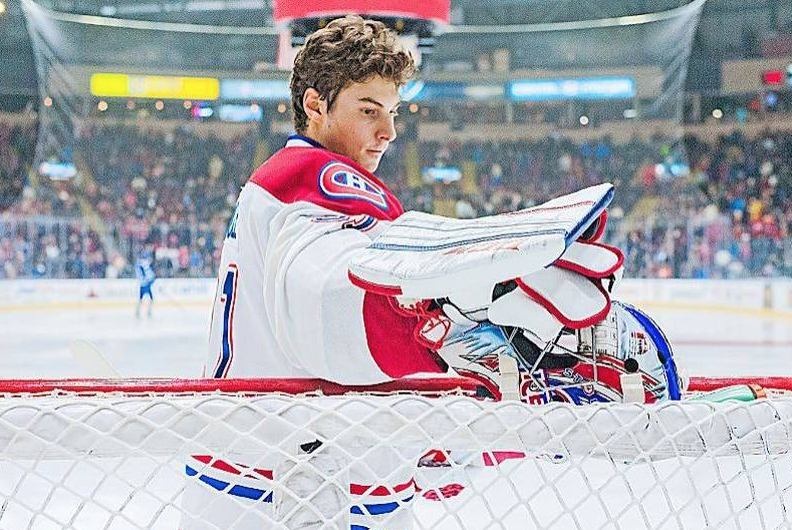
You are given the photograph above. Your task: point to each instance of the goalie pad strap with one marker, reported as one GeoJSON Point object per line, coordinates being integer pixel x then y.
{"type": "Point", "coordinates": [517, 309]}
{"type": "Point", "coordinates": [386, 290]}
{"type": "Point", "coordinates": [594, 260]}
{"type": "Point", "coordinates": [571, 298]}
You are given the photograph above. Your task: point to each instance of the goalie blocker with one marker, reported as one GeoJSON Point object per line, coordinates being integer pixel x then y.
{"type": "Point", "coordinates": [521, 302]}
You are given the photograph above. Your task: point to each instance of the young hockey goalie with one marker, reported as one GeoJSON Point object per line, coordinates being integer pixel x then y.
{"type": "Point", "coordinates": [323, 275]}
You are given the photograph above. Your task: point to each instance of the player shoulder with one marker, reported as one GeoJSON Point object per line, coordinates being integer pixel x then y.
{"type": "Point", "coordinates": [292, 161]}
{"type": "Point", "coordinates": [316, 175]}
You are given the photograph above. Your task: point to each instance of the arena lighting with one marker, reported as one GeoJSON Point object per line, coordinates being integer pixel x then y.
{"type": "Point", "coordinates": [281, 108]}
{"type": "Point", "coordinates": [584, 120]}
{"type": "Point", "coordinates": [572, 88]}
{"type": "Point", "coordinates": [413, 108]}
{"type": "Point", "coordinates": [484, 91]}
{"type": "Point", "coordinates": [441, 174]}
{"type": "Point", "coordinates": [267, 89]}
{"type": "Point", "coordinates": [202, 111]}
{"type": "Point", "coordinates": [717, 114]}
{"type": "Point", "coordinates": [240, 113]}
{"type": "Point", "coordinates": [58, 170]}
{"type": "Point", "coordinates": [772, 77]}
{"type": "Point", "coordinates": [102, 106]}
{"type": "Point", "coordinates": [187, 105]}
{"type": "Point", "coordinates": [159, 105]}
{"type": "Point", "coordinates": [47, 101]}
{"type": "Point", "coordinates": [3, 8]}
{"type": "Point", "coordinates": [154, 86]}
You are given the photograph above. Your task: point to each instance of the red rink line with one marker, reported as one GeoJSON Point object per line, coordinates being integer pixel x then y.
{"type": "Point", "coordinates": [426, 386]}
{"type": "Point", "coordinates": [733, 343]}
{"type": "Point", "coordinates": [705, 384]}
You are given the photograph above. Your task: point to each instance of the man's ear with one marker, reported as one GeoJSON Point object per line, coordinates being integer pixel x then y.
{"type": "Point", "coordinates": [313, 104]}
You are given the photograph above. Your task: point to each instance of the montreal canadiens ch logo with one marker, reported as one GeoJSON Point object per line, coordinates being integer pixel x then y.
{"type": "Point", "coordinates": [341, 181]}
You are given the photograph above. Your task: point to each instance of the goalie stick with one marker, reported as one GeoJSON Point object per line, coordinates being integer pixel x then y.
{"type": "Point", "coordinates": [93, 360]}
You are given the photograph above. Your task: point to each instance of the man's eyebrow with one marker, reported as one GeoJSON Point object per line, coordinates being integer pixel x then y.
{"type": "Point", "coordinates": [372, 100]}
{"type": "Point", "coordinates": [367, 99]}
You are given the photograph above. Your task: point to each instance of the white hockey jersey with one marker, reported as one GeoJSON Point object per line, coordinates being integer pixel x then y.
{"type": "Point", "coordinates": [284, 306]}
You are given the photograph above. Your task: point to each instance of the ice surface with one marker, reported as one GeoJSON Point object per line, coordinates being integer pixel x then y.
{"type": "Point", "coordinates": [696, 494]}
{"type": "Point", "coordinates": [35, 343]}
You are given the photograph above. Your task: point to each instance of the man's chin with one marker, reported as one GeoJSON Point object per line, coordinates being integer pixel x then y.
{"type": "Point", "coordinates": [371, 164]}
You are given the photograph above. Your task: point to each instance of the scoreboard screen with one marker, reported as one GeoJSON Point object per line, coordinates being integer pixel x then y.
{"type": "Point", "coordinates": [435, 10]}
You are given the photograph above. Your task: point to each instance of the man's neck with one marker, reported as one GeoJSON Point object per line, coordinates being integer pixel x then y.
{"type": "Point", "coordinates": [307, 139]}
{"type": "Point", "coordinates": [313, 136]}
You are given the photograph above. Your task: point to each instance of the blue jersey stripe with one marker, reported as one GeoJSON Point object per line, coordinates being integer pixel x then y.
{"type": "Point", "coordinates": [466, 242]}
{"type": "Point", "coordinates": [250, 493]}
{"type": "Point", "coordinates": [569, 236]}
{"type": "Point", "coordinates": [237, 490]}
{"type": "Point", "coordinates": [379, 509]}
{"type": "Point", "coordinates": [581, 227]}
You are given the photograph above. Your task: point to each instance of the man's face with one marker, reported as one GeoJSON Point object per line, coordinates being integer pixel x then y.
{"type": "Point", "coordinates": [360, 124]}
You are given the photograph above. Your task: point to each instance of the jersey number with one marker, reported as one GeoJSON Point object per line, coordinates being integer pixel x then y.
{"type": "Point", "coordinates": [228, 299]}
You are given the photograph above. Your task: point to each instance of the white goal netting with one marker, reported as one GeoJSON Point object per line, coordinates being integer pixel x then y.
{"type": "Point", "coordinates": [247, 455]}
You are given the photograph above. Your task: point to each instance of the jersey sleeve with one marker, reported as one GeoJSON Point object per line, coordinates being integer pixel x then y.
{"type": "Point", "coordinates": [324, 324]}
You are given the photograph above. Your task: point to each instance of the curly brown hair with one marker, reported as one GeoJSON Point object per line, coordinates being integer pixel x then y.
{"type": "Point", "coordinates": [347, 50]}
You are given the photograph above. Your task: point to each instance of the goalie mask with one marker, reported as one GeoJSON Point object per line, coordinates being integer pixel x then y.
{"type": "Point", "coordinates": [600, 363]}
{"type": "Point", "coordinates": [561, 336]}
{"type": "Point", "coordinates": [626, 349]}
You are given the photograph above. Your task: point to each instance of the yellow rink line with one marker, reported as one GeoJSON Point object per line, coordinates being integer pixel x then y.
{"type": "Point", "coordinates": [91, 304]}
{"type": "Point", "coordinates": [708, 308]}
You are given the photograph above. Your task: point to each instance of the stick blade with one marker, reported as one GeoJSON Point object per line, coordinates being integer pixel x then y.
{"type": "Point", "coordinates": [92, 360]}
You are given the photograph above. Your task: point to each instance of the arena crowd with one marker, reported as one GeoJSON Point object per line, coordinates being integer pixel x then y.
{"type": "Point", "coordinates": [722, 211]}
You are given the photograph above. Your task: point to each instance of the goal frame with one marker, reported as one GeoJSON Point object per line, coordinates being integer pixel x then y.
{"type": "Point", "coordinates": [426, 386]}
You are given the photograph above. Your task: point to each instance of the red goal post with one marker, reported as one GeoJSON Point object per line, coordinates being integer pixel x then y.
{"type": "Point", "coordinates": [425, 386]}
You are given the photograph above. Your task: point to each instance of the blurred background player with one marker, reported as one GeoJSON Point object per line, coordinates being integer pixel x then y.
{"type": "Point", "coordinates": [144, 271]}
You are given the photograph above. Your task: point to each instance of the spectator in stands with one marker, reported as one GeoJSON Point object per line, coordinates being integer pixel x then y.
{"type": "Point", "coordinates": [725, 212]}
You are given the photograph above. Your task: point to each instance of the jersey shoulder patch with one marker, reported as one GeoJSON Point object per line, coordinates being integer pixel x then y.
{"type": "Point", "coordinates": [338, 180]}
{"type": "Point", "coordinates": [326, 179]}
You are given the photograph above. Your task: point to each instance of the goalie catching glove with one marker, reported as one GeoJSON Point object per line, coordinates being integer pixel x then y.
{"type": "Point", "coordinates": [552, 334]}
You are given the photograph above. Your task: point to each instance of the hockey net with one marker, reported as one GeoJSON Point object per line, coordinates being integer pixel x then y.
{"type": "Point", "coordinates": [244, 454]}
